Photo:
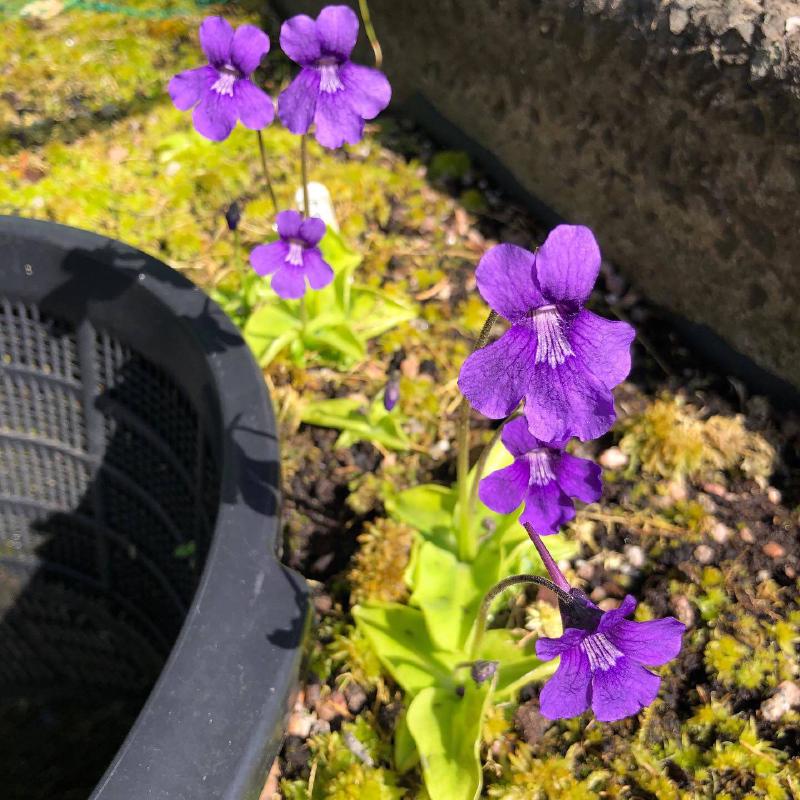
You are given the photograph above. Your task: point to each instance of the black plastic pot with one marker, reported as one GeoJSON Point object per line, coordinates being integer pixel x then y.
{"type": "Point", "coordinates": [138, 528]}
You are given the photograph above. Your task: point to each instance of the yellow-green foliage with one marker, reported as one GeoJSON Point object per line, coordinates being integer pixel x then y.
{"type": "Point", "coordinates": [532, 778]}
{"type": "Point", "coordinates": [670, 439]}
{"type": "Point", "coordinates": [378, 566]}
{"type": "Point", "coordinates": [344, 767]}
{"type": "Point", "coordinates": [340, 649]}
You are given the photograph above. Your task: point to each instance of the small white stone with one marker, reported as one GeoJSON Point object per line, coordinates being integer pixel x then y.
{"type": "Point", "coordinates": [635, 555]}
{"type": "Point", "coordinates": [786, 697]}
{"type": "Point", "coordinates": [773, 495]}
{"type": "Point", "coordinates": [720, 533]}
{"type": "Point", "coordinates": [613, 458]}
{"type": "Point", "coordinates": [792, 25]}
{"type": "Point", "coordinates": [704, 554]}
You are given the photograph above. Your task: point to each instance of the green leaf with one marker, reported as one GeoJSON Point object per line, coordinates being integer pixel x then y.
{"type": "Point", "coordinates": [447, 729]}
{"type": "Point", "coordinates": [518, 663]}
{"type": "Point", "coordinates": [341, 258]}
{"type": "Point", "coordinates": [372, 312]}
{"type": "Point", "coordinates": [347, 414]}
{"type": "Point", "coordinates": [406, 756]}
{"type": "Point", "coordinates": [340, 339]}
{"type": "Point", "coordinates": [400, 639]}
{"type": "Point", "coordinates": [268, 330]}
{"type": "Point", "coordinates": [445, 592]}
{"type": "Point", "coordinates": [428, 508]}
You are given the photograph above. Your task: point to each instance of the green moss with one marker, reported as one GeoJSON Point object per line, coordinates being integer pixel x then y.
{"type": "Point", "coordinates": [343, 767]}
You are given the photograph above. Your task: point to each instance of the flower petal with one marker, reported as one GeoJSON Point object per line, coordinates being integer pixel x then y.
{"type": "Point", "coordinates": [289, 282]}
{"type": "Point", "coordinates": [318, 271]}
{"type": "Point", "coordinates": [288, 224]}
{"type": "Point", "coordinates": [547, 508]}
{"type": "Point", "coordinates": [507, 281]}
{"type": "Point", "coordinates": [215, 116]}
{"type": "Point", "coordinates": [312, 229]}
{"type": "Point", "coordinates": [495, 378]}
{"type": "Point", "coordinates": [517, 439]}
{"type": "Point", "coordinates": [612, 618]}
{"type": "Point", "coordinates": [216, 38]}
{"type": "Point", "coordinates": [622, 690]}
{"type": "Point", "coordinates": [603, 346]}
{"type": "Point", "coordinates": [268, 258]}
{"type": "Point", "coordinates": [367, 90]}
{"type": "Point", "coordinates": [187, 88]}
{"type": "Point", "coordinates": [255, 107]}
{"type": "Point", "coordinates": [298, 102]}
{"type": "Point", "coordinates": [567, 265]}
{"type": "Point", "coordinates": [250, 45]}
{"type": "Point", "coordinates": [336, 123]}
{"type": "Point", "coordinates": [579, 477]}
{"type": "Point", "coordinates": [652, 643]}
{"type": "Point", "coordinates": [567, 693]}
{"type": "Point", "coordinates": [566, 401]}
{"type": "Point", "coordinates": [548, 649]}
{"type": "Point", "coordinates": [337, 30]}
{"type": "Point", "coordinates": [299, 40]}
{"type": "Point", "coordinates": [504, 490]}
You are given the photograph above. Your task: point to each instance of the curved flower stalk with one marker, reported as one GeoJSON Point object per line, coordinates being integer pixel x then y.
{"type": "Point", "coordinates": [561, 358]}
{"type": "Point", "coordinates": [295, 258]}
{"type": "Point", "coordinates": [330, 92]}
{"type": "Point", "coordinates": [543, 476]}
{"type": "Point", "coordinates": [222, 92]}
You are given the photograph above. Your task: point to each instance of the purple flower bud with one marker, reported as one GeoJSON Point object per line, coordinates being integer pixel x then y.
{"type": "Point", "coordinates": [482, 671]}
{"type": "Point", "coordinates": [233, 215]}
{"type": "Point", "coordinates": [391, 394]}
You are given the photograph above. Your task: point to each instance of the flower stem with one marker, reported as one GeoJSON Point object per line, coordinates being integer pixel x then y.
{"type": "Point", "coordinates": [304, 175]}
{"type": "Point", "coordinates": [303, 313]}
{"type": "Point", "coordinates": [550, 565]}
{"type": "Point", "coordinates": [264, 169]}
{"type": "Point", "coordinates": [467, 544]}
{"type": "Point", "coordinates": [371, 35]}
{"type": "Point", "coordinates": [499, 588]}
{"type": "Point", "coordinates": [480, 464]}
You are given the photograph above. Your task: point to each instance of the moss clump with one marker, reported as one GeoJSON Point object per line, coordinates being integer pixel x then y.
{"type": "Point", "coordinates": [531, 778]}
{"type": "Point", "coordinates": [381, 560]}
{"type": "Point", "coordinates": [344, 767]}
{"type": "Point", "coordinates": [669, 439]}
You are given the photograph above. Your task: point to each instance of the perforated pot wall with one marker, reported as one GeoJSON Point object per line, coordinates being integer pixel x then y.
{"type": "Point", "coordinates": [138, 524]}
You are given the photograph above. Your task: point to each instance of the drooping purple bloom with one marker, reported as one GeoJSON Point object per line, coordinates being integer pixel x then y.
{"type": "Point", "coordinates": [330, 91]}
{"type": "Point", "coordinates": [563, 359]}
{"type": "Point", "coordinates": [603, 659]}
{"type": "Point", "coordinates": [295, 257]}
{"type": "Point", "coordinates": [543, 476]}
{"type": "Point", "coordinates": [222, 92]}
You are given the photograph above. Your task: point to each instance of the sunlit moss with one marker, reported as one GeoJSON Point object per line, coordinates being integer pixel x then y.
{"type": "Point", "coordinates": [670, 439]}
{"type": "Point", "coordinates": [380, 563]}
{"type": "Point", "coordinates": [344, 766]}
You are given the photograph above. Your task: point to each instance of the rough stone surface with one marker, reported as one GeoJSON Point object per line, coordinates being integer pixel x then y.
{"type": "Point", "coordinates": [672, 127]}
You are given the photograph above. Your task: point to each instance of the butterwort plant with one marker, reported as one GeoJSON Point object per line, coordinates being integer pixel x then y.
{"type": "Point", "coordinates": [549, 377]}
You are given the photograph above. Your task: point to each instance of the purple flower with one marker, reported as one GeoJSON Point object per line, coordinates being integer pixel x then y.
{"type": "Point", "coordinates": [543, 476]}
{"type": "Point", "coordinates": [222, 91]}
{"type": "Point", "coordinates": [330, 91]}
{"type": "Point", "coordinates": [602, 658]}
{"type": "Point", "coordinates": [563, 359]}
{"type": "Point", "coordinates": [294, 257]}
